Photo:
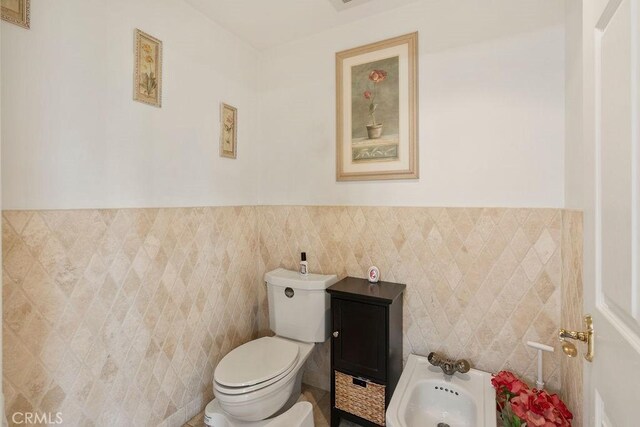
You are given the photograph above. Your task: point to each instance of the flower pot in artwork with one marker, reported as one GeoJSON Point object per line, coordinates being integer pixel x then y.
{"type": "Point", "coordinates": [374, 131]}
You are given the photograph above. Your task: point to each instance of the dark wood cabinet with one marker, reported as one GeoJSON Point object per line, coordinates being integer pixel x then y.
{"type": "Point", "coordinates": [357, 348]}
{"type": "Point", "coordinates": [366, 343]}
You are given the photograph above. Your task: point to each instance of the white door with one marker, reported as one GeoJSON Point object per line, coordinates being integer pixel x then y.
{"type": "Point", "coordinates": [612, 245]}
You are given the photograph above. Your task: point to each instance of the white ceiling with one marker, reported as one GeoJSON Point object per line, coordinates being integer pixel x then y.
{"type": "Point", "coordinates": [267, 23]}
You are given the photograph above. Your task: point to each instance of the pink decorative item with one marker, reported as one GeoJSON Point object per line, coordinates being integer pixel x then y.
{"type": "Point", "coordinates": [373, 274]}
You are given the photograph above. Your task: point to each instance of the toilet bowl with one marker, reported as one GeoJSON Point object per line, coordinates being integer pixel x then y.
{"type": "Point", "coordinates": [260, 381]}
{"type": "Point", "coordinates": [257, 379]}
{"type": "Point", "coordinates": [299, 415]}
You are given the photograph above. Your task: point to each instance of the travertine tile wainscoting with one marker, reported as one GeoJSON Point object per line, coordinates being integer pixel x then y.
{"type": "Point", "coordinates": [480, 282]}
{"type": "Point", "coordinates": [117, 317]}
{"type": "Point", "coordinates": [571, 313]}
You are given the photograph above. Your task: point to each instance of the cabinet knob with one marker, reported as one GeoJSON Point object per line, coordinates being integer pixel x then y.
{"type": "Point", "coordinates": [336, 334]}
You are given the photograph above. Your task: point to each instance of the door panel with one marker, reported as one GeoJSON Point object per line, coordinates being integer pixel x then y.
{"type": "Point", "coordinates": [617, 148]}
{"type": "Point", "coordinates": [361, 343]}
{"type": "Point", "coordinates": [611, 239]}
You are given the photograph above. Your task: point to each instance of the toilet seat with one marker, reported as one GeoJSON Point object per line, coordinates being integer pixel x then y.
{"type": "Point", "coordinates": [263, 399]}
{"type": "Point", "coordinates": [255, 365]}
{"type": "Point", "coordinates": [243, 390]}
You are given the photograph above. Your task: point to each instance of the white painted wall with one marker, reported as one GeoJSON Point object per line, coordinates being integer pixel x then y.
{"type": "Point", "coordinates": [491, 108]}
{"type": "Point", "coordinates": [74, 138]}
{"type": "Point", "coordinates": [574, 144]}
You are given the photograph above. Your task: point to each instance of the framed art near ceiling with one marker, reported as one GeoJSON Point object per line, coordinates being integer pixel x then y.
{"type": "Point", "coordinates": [148, 69]}
{"type": "Point", "coordinates": [377, 110]}
{"type": "Point", "coordinates": [16, 11]}
{"type": "Point", "coordinates": [228, 131]}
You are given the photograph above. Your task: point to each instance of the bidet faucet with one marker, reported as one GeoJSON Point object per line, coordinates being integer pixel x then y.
{"type": "Point", "coordinates": [448, 366]}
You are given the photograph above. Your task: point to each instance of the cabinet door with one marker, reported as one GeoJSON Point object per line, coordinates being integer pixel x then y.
{"type": "Point", "coordinates": [361, 345]}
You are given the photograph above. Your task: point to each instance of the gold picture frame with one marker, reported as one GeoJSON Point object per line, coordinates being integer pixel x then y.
{"type": "Point", "coordinates": [377, 110]}
{"type": "Point", "coordinates": [17, 12]}
{"type": "Point", "coordinates": [147, 86]}
{"type": "Point", "coordinates": [228, 131]}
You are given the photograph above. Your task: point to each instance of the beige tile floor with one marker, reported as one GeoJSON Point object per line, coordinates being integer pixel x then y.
{"type": "Point", "coordinates": [320, 400]}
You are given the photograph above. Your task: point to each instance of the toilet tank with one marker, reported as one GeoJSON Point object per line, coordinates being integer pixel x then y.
{"type": "Point", "coordinates": [299, 306]}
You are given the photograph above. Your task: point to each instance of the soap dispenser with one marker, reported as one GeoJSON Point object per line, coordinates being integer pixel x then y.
{"type": "Point", "coordinates": [304, 266]}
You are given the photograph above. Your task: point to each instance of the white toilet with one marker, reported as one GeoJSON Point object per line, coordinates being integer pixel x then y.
{"type": "Point", "coordinates": [299, 415]}
{"type": "Point", "coordinates": [258, 383]}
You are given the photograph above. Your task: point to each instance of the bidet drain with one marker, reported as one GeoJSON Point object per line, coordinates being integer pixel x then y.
{"type": "Point", "coordinates": [443, 425]}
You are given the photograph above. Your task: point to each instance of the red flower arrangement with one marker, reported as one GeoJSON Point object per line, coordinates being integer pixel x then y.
{"type": "Point", "coordinates": [521, 406]}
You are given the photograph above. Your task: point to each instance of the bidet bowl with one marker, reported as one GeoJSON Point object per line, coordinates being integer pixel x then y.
{"type": "Point", "coordinates": [426, 397]}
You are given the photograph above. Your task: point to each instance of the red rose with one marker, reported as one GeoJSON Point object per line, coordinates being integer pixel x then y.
{"type": "Point", "coordinates": [552, 408]}
{"type": "Point", "coordinates": [506, 380]}
{"type": "Point", "coordinates": [524, 407]}
{"type": "Point", "coordinates": [377, 76]}
{"type": "Point", "coordinates": [540, 404]}
{"type": "Point", "coordinates": [520, 405]}
{"type": "Point", "coordinates": [561, 407]}
{"type": "Point", "coordinates": [534, 419]}
{"type": "Point", "coordinates": [367, 94]}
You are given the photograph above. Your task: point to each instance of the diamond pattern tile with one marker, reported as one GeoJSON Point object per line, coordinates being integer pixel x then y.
{"type": "Point", "coordinates": [480, 282]}
{"type": "Point", "coordinates": [119, 317]}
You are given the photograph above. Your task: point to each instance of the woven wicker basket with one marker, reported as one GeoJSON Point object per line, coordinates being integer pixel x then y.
{"type": "Point", "coordinates": [359, 397]}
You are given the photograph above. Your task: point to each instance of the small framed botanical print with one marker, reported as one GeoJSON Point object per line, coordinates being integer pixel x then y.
{"type": "Point", "coordinates": [228, 130]}
{"type": "Point", "coordinates": [148, 69]}
{"type": "Point", "coordinates": [16, 11]}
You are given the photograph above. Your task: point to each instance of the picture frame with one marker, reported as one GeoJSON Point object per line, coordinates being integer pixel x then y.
{"type": "Point", "coordinates": [17, 12]}
{"type": "Point", "coordinates": [228, 131]}
{"type": "Point", "coordinates": [147, 86]}
{"type": "Point", "coordinates": [377, 110]}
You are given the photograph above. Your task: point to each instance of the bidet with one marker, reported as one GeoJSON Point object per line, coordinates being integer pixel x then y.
{"type": "Point", "coordinates": [425, 396]}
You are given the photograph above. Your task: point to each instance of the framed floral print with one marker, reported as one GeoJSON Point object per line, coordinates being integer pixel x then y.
{"type": "Point", "coordinates": [377, 110]}
{"type": "Point", "coordinates": [16, 11]}
{"type": "Point", "coordinates": [228, 130]}
{"type": "Point", "coordinates": [148, 69]}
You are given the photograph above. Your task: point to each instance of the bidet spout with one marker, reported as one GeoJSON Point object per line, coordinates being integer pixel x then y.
{"type": "Point", "coordinates": [448, 366]}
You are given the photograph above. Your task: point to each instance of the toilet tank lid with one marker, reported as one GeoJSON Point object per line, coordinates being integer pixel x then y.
{"type": "Point", "coordinates": [295, 280]}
